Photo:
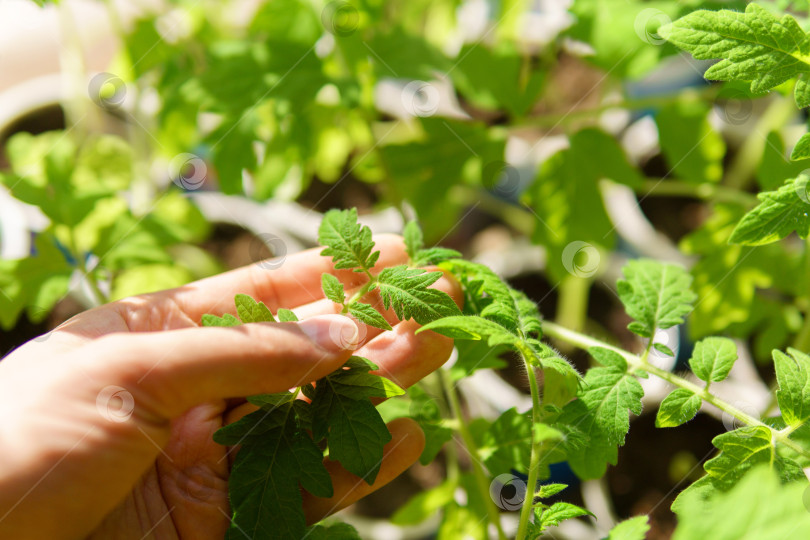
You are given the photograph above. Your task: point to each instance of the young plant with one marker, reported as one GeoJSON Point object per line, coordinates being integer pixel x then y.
{"type": "Point", "coordinates": [279, 443]}
{"type": "Point", "coordinates": [581, 420]}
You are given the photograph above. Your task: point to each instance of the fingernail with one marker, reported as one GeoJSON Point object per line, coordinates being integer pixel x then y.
{"type": "Point", "coordinates": [332, 332]}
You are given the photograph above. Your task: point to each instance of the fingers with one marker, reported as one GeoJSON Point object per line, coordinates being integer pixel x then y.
{"type": "Point", "coordinates": [406, 446]}
{"type": "Point", "coordinates": [403, 356]}
{"type": "Point", "coordinates": [169, 372]}
{"type": "Point", "coordinates": [296, 282]}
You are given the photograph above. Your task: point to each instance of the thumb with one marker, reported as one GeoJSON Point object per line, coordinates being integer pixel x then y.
{"type": "Point", "coordinates": [175, 370]}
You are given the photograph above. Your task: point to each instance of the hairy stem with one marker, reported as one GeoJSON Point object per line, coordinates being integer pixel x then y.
{"type": "Point", "coordinates": [537, 450]}
{"type": "Point", "coordinates": [637, 363]}
{"type": "Point", "coordinates": [478, 472]}
{"type": "Point", "coordinates": [372, 281]}
{"type": "Point", "coordinates": [448, 420]}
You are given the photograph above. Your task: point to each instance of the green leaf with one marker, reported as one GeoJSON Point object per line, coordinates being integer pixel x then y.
{"type": "Point", "coordinates": [434, 255]}
{"type": "Point", "coordinates": [573, 224]}
{"type": "Point", "coordinates": [333, 288]}
{"type": "Point", "coordinates": [601, 413]}
{"type": "Point", "coordinates": [778, 214]}
{"type": "Point", "coordinates": [727, 277]}
{"type": "Point", "coordinates": [264, 483]}
{"type": "Point", "coordinates": [436, 436]}
{"type": "Point", "coordinates": [802, 148]}
{"type": "Point", "coordinates": [146, 278]}
{"type": "Point", "coordinates": [634, 528]}
{"type": "Point", "coordinates": [406, 291]}
{"type": "Point", "coordinates": [713, 358]}
{"type": "Point", "coordinates": [476, 355]}
{"type": "Point", "coordinates": [793, 375]}
{"type": "Point", "coordinates": [741, 450]}
{"type": "Point", "coordinates": [425, 167]}
{"type": "Point", "coordinates": [678, 407]}
{"type": "Point", "coordinates": [271, 401]}
{"type": "Point", "coordinates": [486, 294]}
{"type": "Point", "coordinates": [286, 315]}
{"type": "Point", "coordinates": [693, 149]}
{"type": "Point", "coordinates": [609, 358]}
{"type": "Point", "coordinates": [367, 314]}
{"type": "Point", "coordinates": [425, 504]}
{"type": "Point", "coordinates": [347, 242]}
{"type": "Point", "coordinates": [225, 320]}
{"type": "Point", "coordinates": [549, 490]}
{"type": "Point", "coordinates": [657, 295]}
{"type": "Point", "coordinates": [506, 445]}
{"type": "Point", "coordinates": [251, 426]}
{"type": "Point", "coordinates": [356, 433]}
{"type": "Point", "coordinates": [337, 531]}
{"type": "Point", "coordinates": [358, 383]}
{"type": "Point", "coordinates": [414, 241]}
{"type": "Point", "coordinates": [471, 327]}
{"type": "Point", "coordinates": [250, 311]}
{"type": "Point", "coordinates": [342, 413]}
{"type": "Point", "coordinates": [557, 513]}
{"type": "Point", "coordinates": [758, 508]}
{"type": "Point", "coordinates": [802, 91]}
{"type": "Point", "coordinates": [753, 46]}
{"type": "Point", "coordinates": [660, 347]}
{"type": "Point", "coordinates": [497, 78]}
{"type": "Point", "coordinates": [775, 165]}
{"type": "Point", "coordinates": [36, 283]}
{"type": "Point", "coordinates": [613, 29]}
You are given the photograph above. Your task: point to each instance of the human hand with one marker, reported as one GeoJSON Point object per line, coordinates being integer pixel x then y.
{"type": "Point", "coordinates": [106, 424]}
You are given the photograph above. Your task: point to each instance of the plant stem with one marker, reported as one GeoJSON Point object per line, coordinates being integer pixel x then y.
{"type": "Point", "coordinates": [516, 216]}
{"type": "Point", "coordinates": [98, 295]}
{"type": "Point", "coordinates": [472, 448]}
{"type": "Point", "coordinates": [680, 188]}
{"type": "Point", "coordinates": [537, 449]}
{"type": "Point", "coordinates": [572, 303]}
{"type": "Point", "coordinates": [637, 363]}
{"type": "Point", "coordinates": [372, 281]}
{"type": "Point", "coordinates": [446, 410]}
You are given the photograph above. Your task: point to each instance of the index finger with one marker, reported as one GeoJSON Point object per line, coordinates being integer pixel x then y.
{"type": "Point", "coordinates": [294, 282]}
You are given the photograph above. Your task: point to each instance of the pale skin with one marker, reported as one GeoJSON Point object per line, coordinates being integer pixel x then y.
{"type": "Point", "coordinates": [106, 425]}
